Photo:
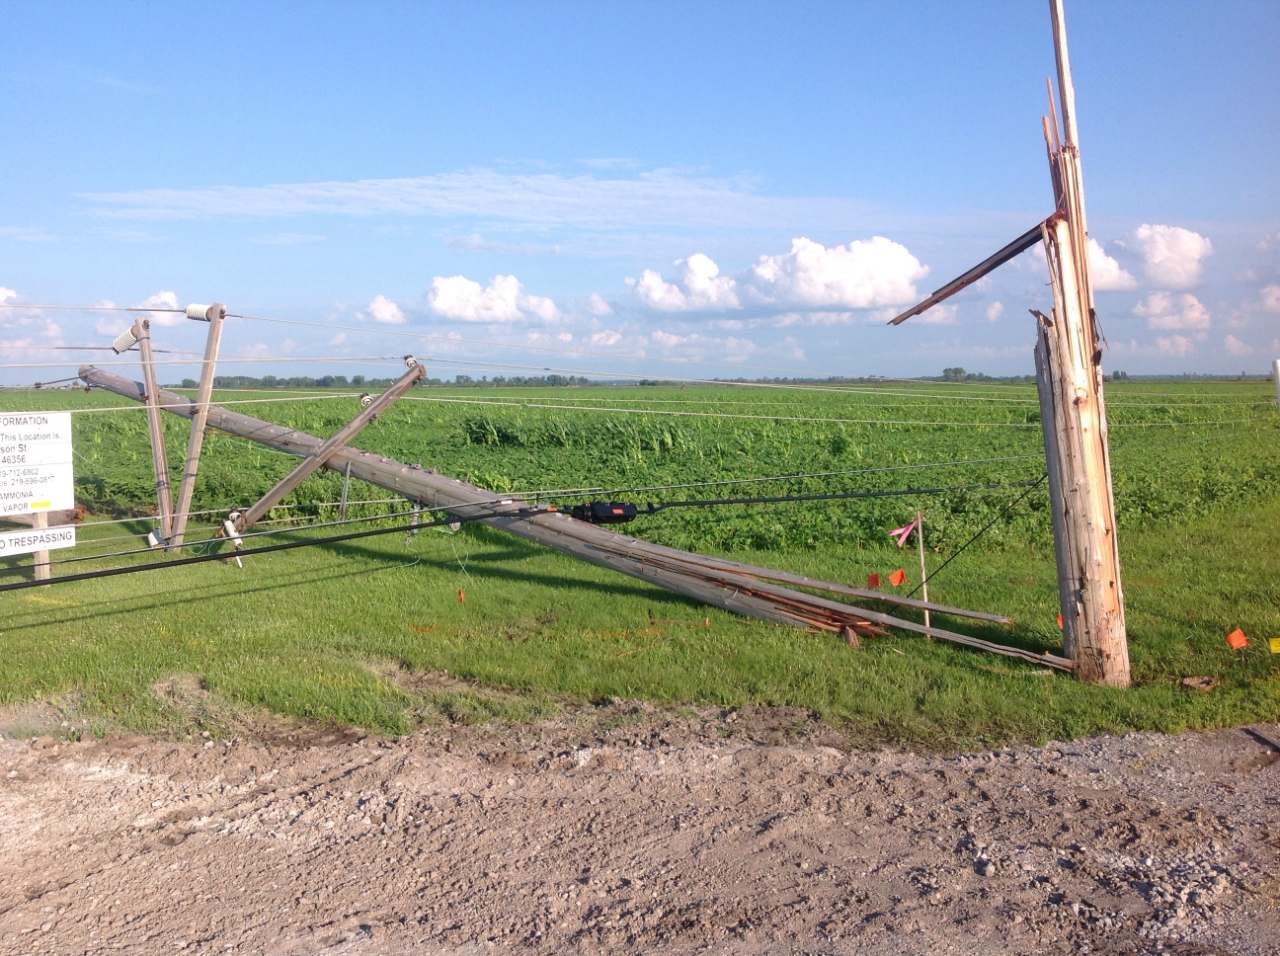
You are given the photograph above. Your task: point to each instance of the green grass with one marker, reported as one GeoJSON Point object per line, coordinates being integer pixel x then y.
{"type": "Point", "coordinates": [345, 632]}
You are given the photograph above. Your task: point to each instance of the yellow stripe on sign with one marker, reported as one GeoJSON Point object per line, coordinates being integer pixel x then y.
{"type": "Point", "coordinates": [41, 504]}
{"type": "Point", "coordinates": [1275, 645]}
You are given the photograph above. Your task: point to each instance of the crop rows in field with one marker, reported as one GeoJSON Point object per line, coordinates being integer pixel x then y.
{"type": "Point", "coordinates": [1178, 450]}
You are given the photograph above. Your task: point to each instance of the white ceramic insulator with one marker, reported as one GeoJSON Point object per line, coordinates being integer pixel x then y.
{"type": "Point", "coordinates": [199, 312]}
{"type": "Point", "coordinates": [229, 527]}
{"type": "Point", "coordinates": [124, 341]}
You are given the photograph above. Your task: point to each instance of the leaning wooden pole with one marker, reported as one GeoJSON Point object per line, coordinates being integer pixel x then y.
{"type": "Point", "coordinates": [155, 428]}
{"type": "Point", "coordinates": [213, 314]}
{"type": "Point", "coordinates": [1089, 559]}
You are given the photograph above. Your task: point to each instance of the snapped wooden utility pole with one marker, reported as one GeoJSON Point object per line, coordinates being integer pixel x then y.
{"type": "Point", "coordinates": [1073, 416]}
{"type": "Point", "coordinates": [1087, 552]}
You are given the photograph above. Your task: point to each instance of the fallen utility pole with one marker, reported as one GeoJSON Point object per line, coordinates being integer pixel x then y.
{"type": "Point", "coordinates": [740, 588]}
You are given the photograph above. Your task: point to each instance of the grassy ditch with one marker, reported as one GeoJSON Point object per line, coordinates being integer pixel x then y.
{"type": "Point", "coordinates": [372, 633]}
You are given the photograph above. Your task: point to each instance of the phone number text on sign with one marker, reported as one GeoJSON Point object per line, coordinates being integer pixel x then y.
{"type": "Point", "coordinates": [36, 462]}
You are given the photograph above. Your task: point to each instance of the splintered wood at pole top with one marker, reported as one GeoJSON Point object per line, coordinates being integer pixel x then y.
{"type": "Point", "coordinates": [1073, 415]}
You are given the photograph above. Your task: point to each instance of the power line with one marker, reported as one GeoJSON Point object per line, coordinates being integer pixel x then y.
{"type": "Point", "coordinates": [655, 507]}
{"type": "Point", "coordinates": [685, 414]}
{"type": "Point", "coordinates": [516, 345]}
{"type": "Point", "coordinates": [265, 549]}
{"type": "Point", "coordinates": [419, 335]}
{"type": "Point", "coordinates": [785, 418]}
{"type": "Point", "coordinates": [243, 534]}
{"type": "Point", "coordinates": [1003, 511]}
{"type": "Point", "coordinates": [567, 492]}
{"type": "Point", "coordinates": [228, 360]}
{"type": "Point", "coordinates": [90, 308]}
{"type": "Point", "coordinates": [451, 520]}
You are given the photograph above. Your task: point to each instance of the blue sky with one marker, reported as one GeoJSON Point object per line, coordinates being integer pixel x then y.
{"type": "Point", "coordinates": [649, 188]}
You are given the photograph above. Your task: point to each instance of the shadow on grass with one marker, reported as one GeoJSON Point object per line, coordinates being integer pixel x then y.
{"type": "Point", "coordinates": [223, 589]}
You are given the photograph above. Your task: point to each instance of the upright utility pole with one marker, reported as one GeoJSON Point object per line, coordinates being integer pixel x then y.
{"type": "Point", "coordinates": [1069, 361]}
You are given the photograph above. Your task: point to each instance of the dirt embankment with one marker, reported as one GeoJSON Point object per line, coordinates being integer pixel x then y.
{"type": "Point", "coordinates": [642, 833]}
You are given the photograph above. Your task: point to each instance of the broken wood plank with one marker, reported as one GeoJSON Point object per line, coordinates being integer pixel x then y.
{"type": "Point", "coordinates": [256, 512]}
{"type": "Point", "coordinates": [1012, 250]}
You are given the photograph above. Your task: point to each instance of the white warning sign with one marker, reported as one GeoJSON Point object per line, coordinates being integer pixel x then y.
{"type": "Point", "coordinates": [35, 463]}
{"type": "Point", "coordinates": [41, 539]}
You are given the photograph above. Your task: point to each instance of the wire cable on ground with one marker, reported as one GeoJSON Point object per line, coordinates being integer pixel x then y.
{"type": "Point", "coordinates": [653, 508]}
{"type": "Point", "coordinates": [264, 549]}
{"type": "Point", "coordinates": [1003, 511]}
{"type": "Point", "coordinates": [244, 534]}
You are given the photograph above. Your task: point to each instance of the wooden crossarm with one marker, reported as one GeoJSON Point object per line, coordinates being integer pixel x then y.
{"type": "Point", "coordinates": [259, 509]}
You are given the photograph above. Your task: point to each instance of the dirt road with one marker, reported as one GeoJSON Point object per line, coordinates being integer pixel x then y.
{"type": "Point", "coordinates": [635, 832]}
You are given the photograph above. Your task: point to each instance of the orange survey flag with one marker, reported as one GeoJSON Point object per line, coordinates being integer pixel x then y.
{"type": "Point", "coordinates": [1237, 640]}
{"type": "Point", "coordinates": [1059, 620]}
{"type": "Point", "coordinates": [462, 597]}
{"type": "Point", "coordinates": [873, 580]}
{"type": "Point", "coordinates": [898, 578]}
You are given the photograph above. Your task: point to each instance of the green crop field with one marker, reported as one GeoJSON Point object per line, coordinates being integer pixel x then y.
{"type": "Point", "coordinates": [363, 632]}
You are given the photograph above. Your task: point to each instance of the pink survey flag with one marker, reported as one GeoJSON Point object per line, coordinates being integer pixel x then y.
{"type": "Point", "coordinates": [901, 533]}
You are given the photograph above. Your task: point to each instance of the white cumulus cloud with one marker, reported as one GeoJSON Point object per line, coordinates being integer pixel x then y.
{"type": "Point", "coordinates": [667, 339]}
{"type": "Point", "coordinates": [1171, 254]}
{"type": "Point", "coordinates": [1236, 347]}
{"type": "Point", "coordinates": [605, 337]}
{"type": "Point", "coordinates": [702, 287]}
{"type": "Point", "coordinates": [1270, 298]}
{"type": "Point", "coordinates": [596, 305]}
{"type": "Point", "coordinates": [1105, 274]}
{"type": "Point", "coordinates": [994, 311]}
{"type": "Point", "coordinates": [502, 300]}
{"type": "Point", "coordinates": [1165, 312]}
{"type": "Point", "coordinates": [863, 274]}
{"type": "Point", "coordinates": [696, 346]}
{"type": "Point", "coordinates": [382, 309]}
{"type": "Point", "coordinates": [163, 300]}
{"type": "Point", "coordinates": [940, 315]}
{"type": "Point", "coordinates": [1174, 345]}
{"type": "Point", "coordinates": [6, 294]}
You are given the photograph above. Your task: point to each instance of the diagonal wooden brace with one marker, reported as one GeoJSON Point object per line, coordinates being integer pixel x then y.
{"type": "Point", "coordinates": [259, 509]}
